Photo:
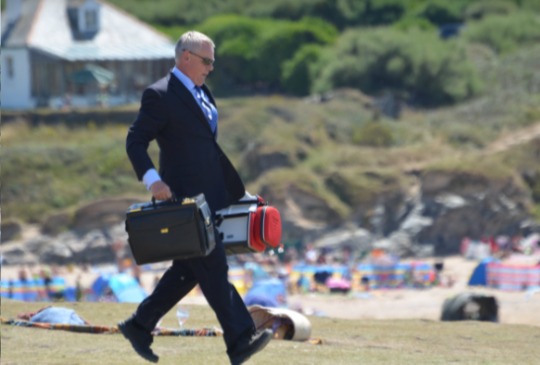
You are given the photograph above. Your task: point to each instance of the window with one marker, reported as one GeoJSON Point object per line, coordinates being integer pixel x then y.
{"type": "Point", "coordinates": [9, 66]}
{"type": "Point", "coordinates": [90, 19]}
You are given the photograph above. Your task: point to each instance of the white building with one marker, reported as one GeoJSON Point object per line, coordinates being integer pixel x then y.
{"type": "Point", "coordinates": [77, 52]}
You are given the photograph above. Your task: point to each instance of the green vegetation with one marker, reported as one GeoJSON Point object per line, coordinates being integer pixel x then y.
{"type": "Point", "coordinates": [341, 150]}
{"type": "Point", "coordinates": [252, 53]}
{"type": "Point", "coordinates": [416, 65]}
{"type": "Point", "coordinates": [338, 146]}
{"type": "Point", "coordinates": [346, 342]}
{"type": "Point", "coordinates": [62, 168]}
{"type": "Point", "coordinates": [504, 33]}
{"type": "Point", "coordinates": [305, 46]}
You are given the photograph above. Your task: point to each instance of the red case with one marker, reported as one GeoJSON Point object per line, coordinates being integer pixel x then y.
{"type": "Point", "coordinates": [266, 229]}
{"type": "Point", "coordinates": [249, 226]}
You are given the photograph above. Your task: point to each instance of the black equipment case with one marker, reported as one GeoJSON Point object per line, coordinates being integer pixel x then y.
{"type": "Point", "coordinates": [170, 230]}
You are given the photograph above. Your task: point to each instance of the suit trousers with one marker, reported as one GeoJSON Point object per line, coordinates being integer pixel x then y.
{"type": "Point", "coordinates": [210, 273]}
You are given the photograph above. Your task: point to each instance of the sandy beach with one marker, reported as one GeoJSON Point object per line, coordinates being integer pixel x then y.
{"type": "Point", "coordinates": [515, 307]}
{"type": "Point", "coordinates": [520, 307]}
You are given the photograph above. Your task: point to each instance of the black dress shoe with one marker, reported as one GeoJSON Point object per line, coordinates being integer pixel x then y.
{"type": "Point", "coordinates": [139, 338]}
{"type": "Point", "coordinates": [250, 346]}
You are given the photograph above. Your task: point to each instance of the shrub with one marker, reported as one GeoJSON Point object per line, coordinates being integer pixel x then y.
{"type": "Point", "coordinates": [373, 134]}
{"type": "Point", "coordinates": [281, 42]}
{"type": "Point", "coordinates": [505, 33]}
{"type": "Point", "coordinates": [426, 70]}
{"type": "Point", "coordinates": [237, 42]}
{"type": "Point", "coordinates": [442, 12]}
{"type": "Point", "coordinates": [252, 52]}
{"type": "Point", "coordinates": [408, 23]}
{"type": "Point", "coordinates": [171, 12]}
{"type": "Point", "coordinates": [296, 10]}
{"type": "Point", "coordinates": [380, 12]}
{"type": "Point", "coordinates": [483, 8]}
{"type": "Point", "coordinates": [296, 73]}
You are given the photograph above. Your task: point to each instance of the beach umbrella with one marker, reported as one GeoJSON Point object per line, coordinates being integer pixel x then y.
{"type": "Point", "coordinates": [268, 293]}
{"type": "Point", "coordinates": [124, 288]}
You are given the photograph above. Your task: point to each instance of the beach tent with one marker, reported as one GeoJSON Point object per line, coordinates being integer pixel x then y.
{"type": "Point", "coordinates": [269, 292]}
{"type": "Point", "coordinates": [32, 290]}
{"type": "Point", "coordinates": [117, 287]}
{"type": "Point", "coordinates": [311, 270]}
{"type": "Point", "coordinates": [395, 275]}
{"type": "Point", "coordinates": [479, 275]}
{"type": "Point", "coordinates": [305, 276]}
{"type": "Point", "coordinates": [257, 271]}
{"type": "Point", "coordinates": [4, 289]}
{"type": "Point", "coordinates": [513, 275]}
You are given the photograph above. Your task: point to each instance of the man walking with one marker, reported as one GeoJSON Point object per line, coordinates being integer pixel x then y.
{"type": "Point", "coordinates": [179, 112]}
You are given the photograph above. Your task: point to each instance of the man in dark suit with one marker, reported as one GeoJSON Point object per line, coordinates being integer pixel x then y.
{"type": "Point", "coordinates": [180, 113]}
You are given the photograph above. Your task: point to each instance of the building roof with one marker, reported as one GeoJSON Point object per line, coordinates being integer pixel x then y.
{"type": "Point", "coordinates": [14, 34]}
{"type": "Point", "coordinates": [44, 26]}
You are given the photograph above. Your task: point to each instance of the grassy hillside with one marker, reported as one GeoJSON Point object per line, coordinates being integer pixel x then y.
{"type": "Point", "coordinates": [344, 342]}
{"type": "Point", "coordinates": [340, 150]}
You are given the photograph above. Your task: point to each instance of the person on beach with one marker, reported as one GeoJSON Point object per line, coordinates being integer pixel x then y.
{"type": "Point", "coordinates": [180, 113]}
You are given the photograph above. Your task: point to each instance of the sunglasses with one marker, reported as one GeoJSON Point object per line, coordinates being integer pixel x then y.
{"type": "Point", "coordinates": [205, 60]}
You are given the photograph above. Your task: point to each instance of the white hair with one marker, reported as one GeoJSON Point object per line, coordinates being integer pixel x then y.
{"type": "Point", "coordinates": [191, 41]}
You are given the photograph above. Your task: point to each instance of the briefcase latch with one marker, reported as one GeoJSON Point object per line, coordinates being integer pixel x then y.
{"type": "Point", "coordinates": [164, 230]}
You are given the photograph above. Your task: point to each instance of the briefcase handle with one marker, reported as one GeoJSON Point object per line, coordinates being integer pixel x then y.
{"type": "Point", "coordinates": [172, 199]}
{"type": "Point", "coordinates": [256, 199]}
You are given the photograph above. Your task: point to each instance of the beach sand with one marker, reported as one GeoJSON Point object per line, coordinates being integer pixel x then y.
{"type": "Point", "coordinates": [515, 307]}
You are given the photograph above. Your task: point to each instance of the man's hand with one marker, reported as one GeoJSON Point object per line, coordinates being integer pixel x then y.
{"type": "Point", "coordinates": [160, 191]}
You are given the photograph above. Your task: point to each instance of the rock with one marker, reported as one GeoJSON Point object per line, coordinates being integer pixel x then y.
{"type": "Point", "coordinates": [17, 255]}
{"type": "Point", "coordinates": [358, 239]}
{"type": "Point", "coordinates": [99, 214]}
{"type": "Point", "coordinates": [56, 224]}
{"type": "Point", "coordinates": [10, 230]}
{"type": "Point", "coordinates": [97, 248]}
{"type": "Point", "coordinates": [57, 252]}
{"type": "Point", "coordinates": [311, 207]}
{"type": "Point", "coordinates": [257, 160]}
{"type": "Point", "coordinates": [430, 219]}
{"type": "Point", "coordinates": [467, 205]}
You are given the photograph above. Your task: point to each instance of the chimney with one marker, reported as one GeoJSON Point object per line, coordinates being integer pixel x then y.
{"type": "Point", "coordinates": [13, 10]}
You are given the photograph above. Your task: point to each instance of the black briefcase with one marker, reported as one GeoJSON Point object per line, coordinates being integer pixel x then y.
{"type": "Point", "coordinates": [170, 230]}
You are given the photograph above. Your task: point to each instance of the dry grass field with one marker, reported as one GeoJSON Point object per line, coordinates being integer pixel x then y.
{"type": "Point", "coordinates": [343, 341]}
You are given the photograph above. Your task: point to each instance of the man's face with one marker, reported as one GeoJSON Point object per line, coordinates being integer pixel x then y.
{"type": "Point", "coordinates": [195, 64]}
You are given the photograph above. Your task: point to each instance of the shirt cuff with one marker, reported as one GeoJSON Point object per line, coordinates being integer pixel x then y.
{"type": "Point", "coordinates": [150, 177]}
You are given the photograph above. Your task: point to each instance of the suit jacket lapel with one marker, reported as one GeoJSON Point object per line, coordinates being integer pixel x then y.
{"type": "Point", "coordinates": [187, 97]}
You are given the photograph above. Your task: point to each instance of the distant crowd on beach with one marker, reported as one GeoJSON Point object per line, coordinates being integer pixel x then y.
{"type": "Point", "coordinates": [500, 246]}
{"type": "Point", "coordinates": [302, 270]}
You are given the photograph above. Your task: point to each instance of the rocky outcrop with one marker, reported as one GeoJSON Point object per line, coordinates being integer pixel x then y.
{"type": "Point", "coordinates": [93, 247]}
{"type": "Point", "coordinates": [11, 230]}
{"type": "Point", "coordinates": [85, 236]}
{"type": "Point", "coordinates": [462, 204]}
{"type": "Point", "coordinates": [431, 218]}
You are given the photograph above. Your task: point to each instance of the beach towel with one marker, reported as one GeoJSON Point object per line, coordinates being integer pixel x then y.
{"type": "Point", "coordinates": [59, 318]}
